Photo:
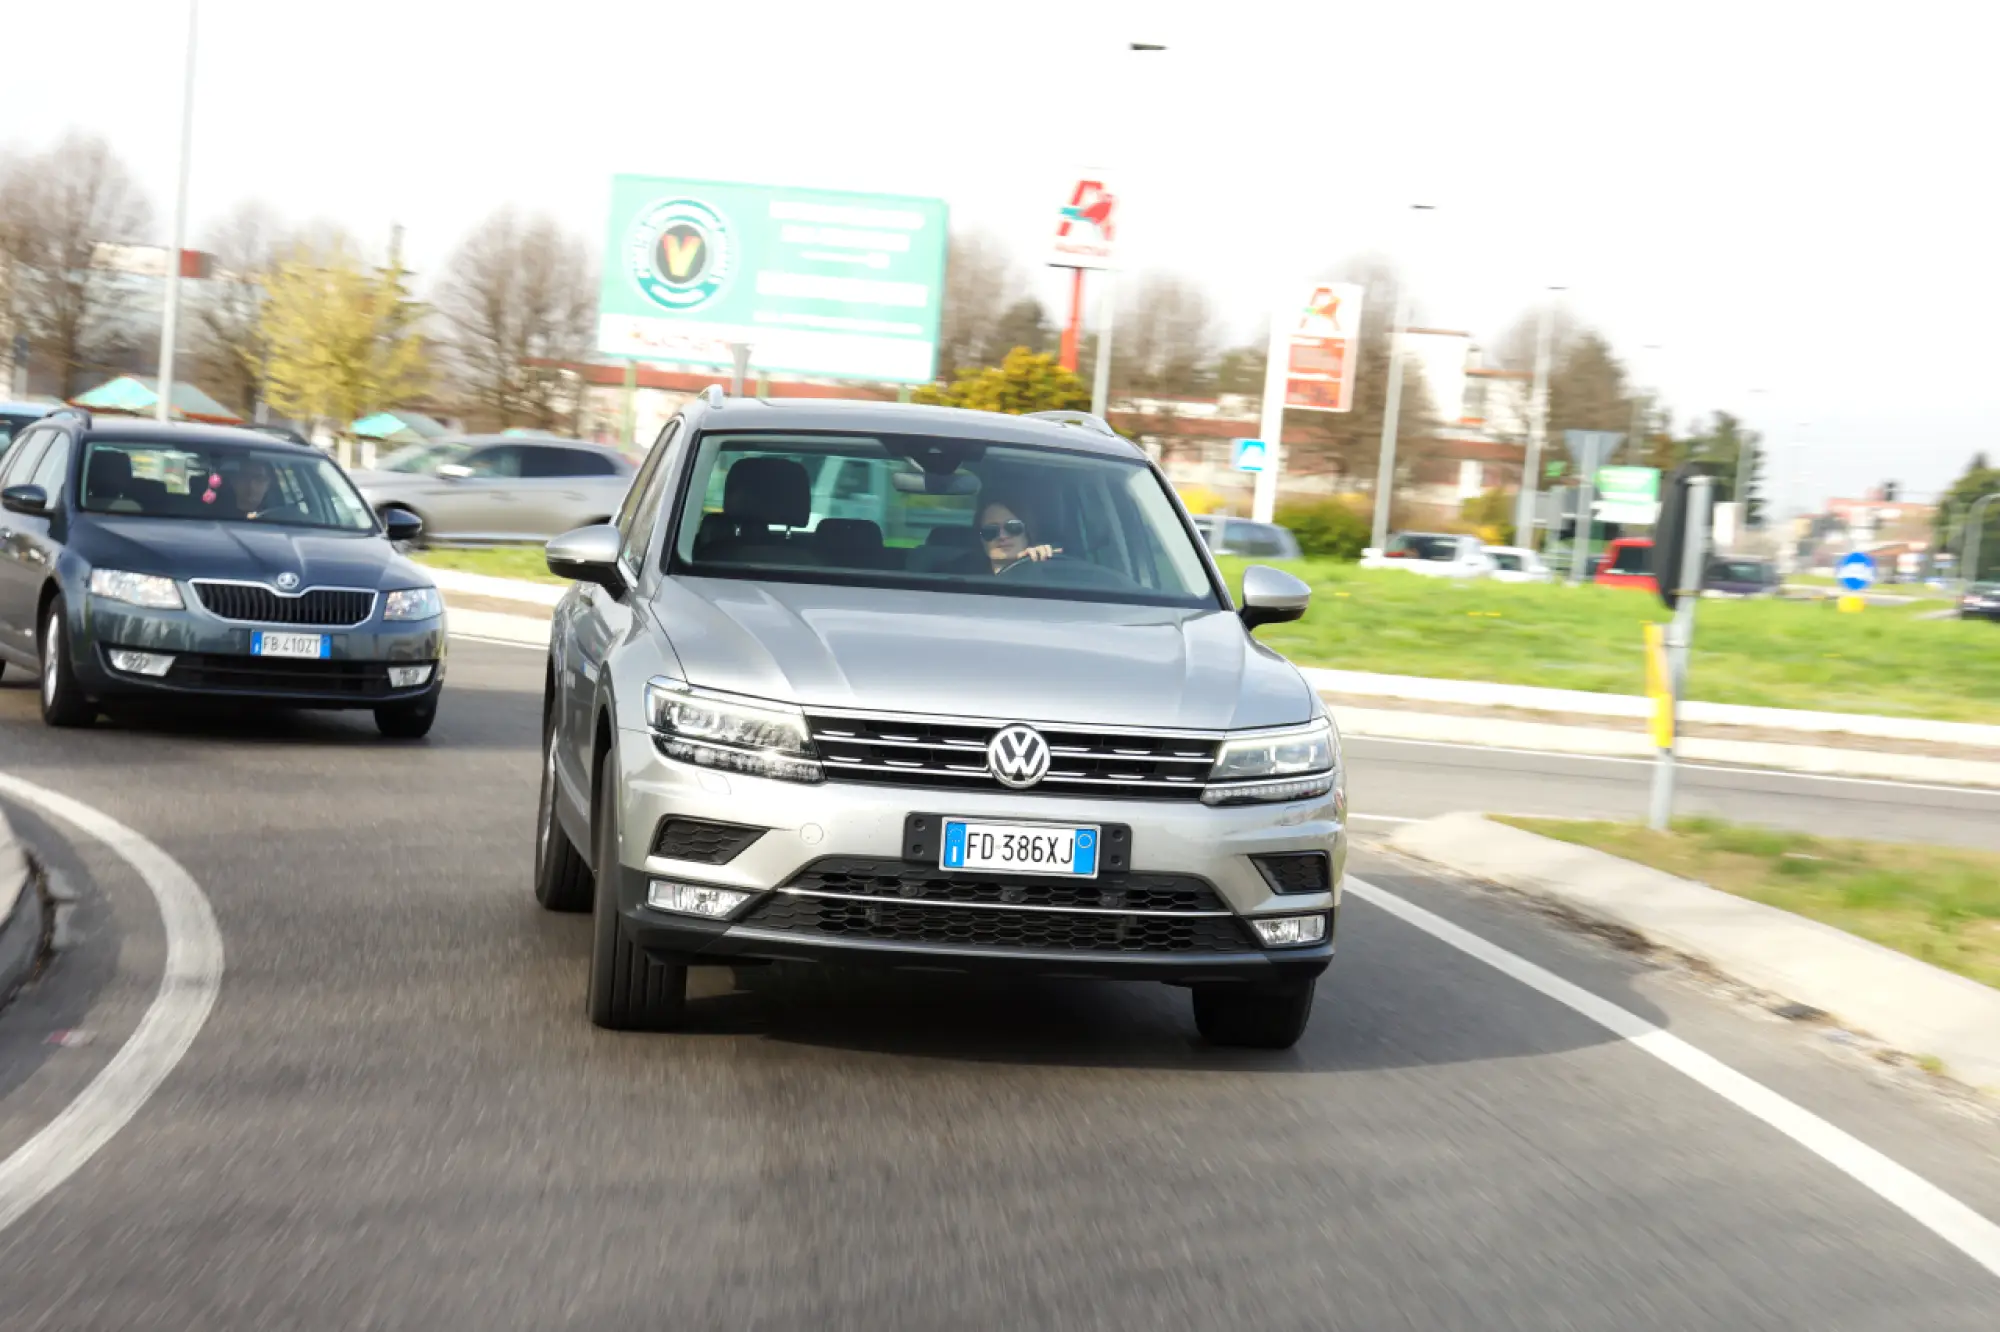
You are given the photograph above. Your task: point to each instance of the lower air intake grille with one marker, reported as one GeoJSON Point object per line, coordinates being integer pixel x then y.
{"type": "Point", "coordinates": [1302, 872]}
{"type": "Point", "coordinates": [702, 842]}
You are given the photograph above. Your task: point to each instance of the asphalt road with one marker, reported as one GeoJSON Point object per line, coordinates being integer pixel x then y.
{"type": "Point", "coordinates": [396, 1115]}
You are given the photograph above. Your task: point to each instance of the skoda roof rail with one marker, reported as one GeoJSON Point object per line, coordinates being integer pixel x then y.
{"type": "Point", "coordinates": [713, 395]}
{"type": "Point", "coordinates": [79, 413]}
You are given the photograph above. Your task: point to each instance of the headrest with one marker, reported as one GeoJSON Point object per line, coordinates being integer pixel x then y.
{"type": "Point", "coordinates": [770, 492]}
{"type": "Point", "coordinates": [110, 469]}
{"type": "Point", "coordinates": [963, 537]}
{"type": "Point", "coordinates": [714, 527]}
{"type": "Point", "coordinates": [849, 533]}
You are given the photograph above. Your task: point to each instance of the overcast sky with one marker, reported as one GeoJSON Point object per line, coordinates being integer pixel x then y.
{"type": "Point", "coordinates": [1787, 197]}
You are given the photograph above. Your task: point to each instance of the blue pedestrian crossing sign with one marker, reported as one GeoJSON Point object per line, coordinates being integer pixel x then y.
{"type": "Point", "coordinates": [1249, 455]}
{"type": "Point", "coordinates": [1856, 573]}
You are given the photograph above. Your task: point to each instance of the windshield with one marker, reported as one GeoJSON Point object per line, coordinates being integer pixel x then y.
{"type": "Point", "coordinates": [1422, 546]}
{"type": "Point", "coordinates": [1739, 571]}
{"type": "Point", "coordinates": [973, 517]}
{"type": "Point", "coordinates": [1510, 563]}
{"type": "Point", "coordinates": [228, 483]}
{"type": "Point", "coordinates": [425, 457]}
{"type": "Point", "coordinates": [1632, 560]}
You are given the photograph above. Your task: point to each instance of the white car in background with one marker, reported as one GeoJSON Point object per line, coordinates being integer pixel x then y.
{"type": "Point", "coordinates": [1432, 554]}
{"type": "Point", "coordinates": [1517, 564]}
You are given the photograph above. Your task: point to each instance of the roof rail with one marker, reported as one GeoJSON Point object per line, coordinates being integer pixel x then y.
{"type": "Point", "coordinates": [1097, 423]}
{"type": "Point", "coordinates": [69, 409]}
{"type": "Point", "coordinates": [713, 395]}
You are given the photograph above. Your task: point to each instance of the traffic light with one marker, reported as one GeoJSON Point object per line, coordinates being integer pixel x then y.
{"type": "Point", "coordinates": [1671, 531]}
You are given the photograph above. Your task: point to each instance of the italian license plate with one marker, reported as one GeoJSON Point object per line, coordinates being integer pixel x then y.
{"type": "Point", "coordinates": [1020, 848]}
{"type": "Point", "coordinates": [264, 644]}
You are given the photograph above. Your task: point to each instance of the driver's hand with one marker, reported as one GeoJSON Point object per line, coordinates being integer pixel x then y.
{"type": "Point", "coordinates": [1040, 553]}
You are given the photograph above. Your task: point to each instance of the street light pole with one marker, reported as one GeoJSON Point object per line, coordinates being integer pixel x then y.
{"type": "Point", "coordinates": [170, 313]}
{"type": "Point", "coordinates": [1385, 470]}
{"type": "Point", "coordinates": [1538, 427]}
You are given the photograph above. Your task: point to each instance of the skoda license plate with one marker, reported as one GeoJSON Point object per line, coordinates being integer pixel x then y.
{"type": "Point", "coordinates": [1020, 848]}
{"type": "Point", "coordinates": [266, 644]}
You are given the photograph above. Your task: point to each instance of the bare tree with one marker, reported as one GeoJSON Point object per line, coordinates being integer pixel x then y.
{"type": "Point", "coordinates": [58, 206]}
{"type": "Point", "coordinates": [231, 352]}
{"type": "Point", "coordinates": [979, 288]}
{"type": "Point", "coordinates": [1164, 338]}
{"type": "Point", "coordinates": [520, 296]}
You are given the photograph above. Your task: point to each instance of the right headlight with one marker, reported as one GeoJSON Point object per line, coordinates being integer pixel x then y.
{"type": "Point", "coordinates": [1272, 766]}
{"type": "Point", "coordinates": [730, 732]}
{"type": "Point", "coordinates": [136, 589]}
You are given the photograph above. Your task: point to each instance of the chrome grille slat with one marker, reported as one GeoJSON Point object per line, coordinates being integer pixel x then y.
{"type": "Point", "coordinates": [311, 607]}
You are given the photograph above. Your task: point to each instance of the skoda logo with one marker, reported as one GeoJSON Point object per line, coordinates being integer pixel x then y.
{"type": "Point", "coordinates": [680, 252]}
{"type": "Point", "coordinates": [287, 581]}
{"type": "Point", "coordinates": [1018, 756]}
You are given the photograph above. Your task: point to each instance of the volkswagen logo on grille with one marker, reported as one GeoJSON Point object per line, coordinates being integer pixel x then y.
{"type": "Point", "coordinates": [287, 581]}
{"type": "Point", "coordinates": [1018, 756]}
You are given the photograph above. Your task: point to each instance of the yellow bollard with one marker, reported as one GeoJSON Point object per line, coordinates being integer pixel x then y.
{"type": "Point", "coordinates": [1659, 684]}
{"type": "Point", "coordinates": [1852, 605]}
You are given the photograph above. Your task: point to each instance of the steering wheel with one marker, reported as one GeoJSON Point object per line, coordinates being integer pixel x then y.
{"type": "Point", "coordinates": [1018, 561]}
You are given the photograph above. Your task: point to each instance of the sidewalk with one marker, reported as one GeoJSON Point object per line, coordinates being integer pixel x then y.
{"type": "Point", "coordinates": [1462, 712]}
{"type": "Point", "coordinates": [1917, 1008]}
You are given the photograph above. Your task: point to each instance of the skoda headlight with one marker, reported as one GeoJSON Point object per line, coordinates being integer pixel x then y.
{"type": "Point", "coordinates": [413, 603]}
{"type": "Point", "coordinates": [730, 732]}
{"type": "Point", "coordinates": [1271, 766]}
{"type": "Point", "coordinates": [136, 589]}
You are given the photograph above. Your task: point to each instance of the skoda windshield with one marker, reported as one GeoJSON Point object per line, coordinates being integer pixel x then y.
{"type": "Point", "coordinates": [228, 483]}
{"type": "Point", "coordinates": [930, 512]}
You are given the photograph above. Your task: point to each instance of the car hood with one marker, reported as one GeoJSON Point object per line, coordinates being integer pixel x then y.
{"type": "Point", "coordinates": [973, 655]}
{"type": "Point", "coordinates": [181, 548]}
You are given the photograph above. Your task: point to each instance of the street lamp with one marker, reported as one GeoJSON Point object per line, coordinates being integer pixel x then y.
{"type": "Point", "coordinates": [170, 312]}
{"type": "Point", "coordinates": [1100, 378]}
{"type": "Point", "coordinates": [1538, 426]}
{"type": "Point", "coordinates": [1385, 471]}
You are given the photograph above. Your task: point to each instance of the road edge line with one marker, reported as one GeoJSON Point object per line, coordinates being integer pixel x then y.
{"type": "Point", "coordinates": [189, 983]}
{"type": "Point", "coordinates": [1902, 1188]}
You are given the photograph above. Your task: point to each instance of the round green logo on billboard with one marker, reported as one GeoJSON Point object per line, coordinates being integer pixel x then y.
{"type": "Point", "coordinates": [680, 252]}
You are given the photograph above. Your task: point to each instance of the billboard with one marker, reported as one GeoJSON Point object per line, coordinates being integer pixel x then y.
{"type": "Point", "coordinates": [1627, 494]}
{"type": "Point", "coordinates": [1317, 342]}
{"type": "Point", "coordinates": [1086, 224]}
{"type": "Point", "coordinates": [815, 282]}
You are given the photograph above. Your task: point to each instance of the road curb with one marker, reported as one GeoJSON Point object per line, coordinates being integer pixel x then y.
{"type": "Point", "coordinates": [1911, 1005]}
{"type": "Point", "coordinates": [23, 914]}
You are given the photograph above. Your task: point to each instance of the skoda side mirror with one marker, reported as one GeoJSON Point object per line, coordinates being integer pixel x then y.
{"type": "Point", "coordinates": [589, 555]}
{"type": "Point", "coordinates": [31, 500]}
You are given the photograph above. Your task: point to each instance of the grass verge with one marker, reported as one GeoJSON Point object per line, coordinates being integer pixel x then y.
{"type": "Point", "coordinates": [493, 561]}
{"type": "Point", "coordinates": [1768, 653]}
{"type": "Point", "coordinates": [1940, 905]}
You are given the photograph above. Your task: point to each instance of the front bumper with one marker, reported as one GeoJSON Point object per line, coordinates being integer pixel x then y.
{"type": "Point", "coordinates": [1986, 611]}
{"type": "Point", "coordinates": [1173, 845]}
{"type": "Point", "coordinates": [213, 658]}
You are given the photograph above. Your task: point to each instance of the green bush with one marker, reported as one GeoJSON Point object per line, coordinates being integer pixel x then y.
{"type": "Point", "coordinates": [1326, 528]}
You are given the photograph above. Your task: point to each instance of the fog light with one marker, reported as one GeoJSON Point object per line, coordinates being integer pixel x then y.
{"type": "Point", "coordinates": [141, 663]}
{"type": "Point", "coordinates": [408, 677]}
{"type": "Point", "coordinates": [693, 899]}
{"type": "Point", "coordinates": [1290, 931]}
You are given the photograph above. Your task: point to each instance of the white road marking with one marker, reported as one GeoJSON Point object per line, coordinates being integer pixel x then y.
{"type": "Point", "coordinates": [1381, 818]}
{"type": "Point", "coordinates": [502, 642]}
{"type": "Point", "coordinates": [187, 992]}
{"type": "Point", "coordinates": [1684, 766]}
{"type": "Point", "coordinates": [1923, 1202]}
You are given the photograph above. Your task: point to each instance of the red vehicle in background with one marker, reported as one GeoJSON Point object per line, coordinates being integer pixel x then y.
{"type": "Point", "coordinates": [1627, 562]}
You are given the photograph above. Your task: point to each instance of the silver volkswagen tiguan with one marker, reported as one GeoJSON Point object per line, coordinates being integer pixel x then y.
{"type": "Point", "coordinates": [1010, 721]}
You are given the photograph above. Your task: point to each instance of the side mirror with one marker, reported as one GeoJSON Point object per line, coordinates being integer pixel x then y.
{"type": "Point", "coordinates": [401, 524]}
{"type": "Point", "coordinates": [1272, 596]}
{"type": "Point", "coordinates": [31, 500]}
{"type": "Point", "coordinates": [454, 471]}
{"type": "Point", "coordinates": [589, 555]}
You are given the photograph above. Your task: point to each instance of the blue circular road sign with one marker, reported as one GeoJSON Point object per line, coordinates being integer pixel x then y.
{"type": "Point", "coordinates": [1856, 572]}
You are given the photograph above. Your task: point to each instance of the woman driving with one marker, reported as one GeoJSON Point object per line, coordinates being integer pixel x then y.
{"type": "Point", "coordinates": [1006, 534]}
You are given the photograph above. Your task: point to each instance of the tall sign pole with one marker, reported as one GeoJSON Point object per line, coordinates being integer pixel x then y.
{"type": "Point", "coordinates": [1086, 230]}
{"type": "Point", "coordinates": [1309, 366]}
{"type": "Point", "coordinates": [170, 312]}
{"type": "Point", "coordinates": [1686, 592]}
{"type": "Point", "coordinates": [1538, 428]}
{"type": "Point", "coordinates": [1100, 379]}
{"type": "Point", "coordinates": [1385, 470]}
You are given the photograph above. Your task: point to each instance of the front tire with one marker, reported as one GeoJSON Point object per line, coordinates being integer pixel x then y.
{"type": "Point", "coordinates": [1254, 1019]}
{"type": "Point", "coordinates": [630, 990]}
{"type": "Point", "coordinates": [63, 703]}
{"type": "Point", "coordinates": [562, 880]}
{"type": "Point", "coordinates": [408, 721]}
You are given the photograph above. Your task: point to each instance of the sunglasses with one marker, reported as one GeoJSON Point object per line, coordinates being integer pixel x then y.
{"type": "Point", "coordinates": [1012, 527]}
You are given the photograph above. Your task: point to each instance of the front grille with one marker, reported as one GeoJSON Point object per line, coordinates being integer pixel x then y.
{"type": "Point", "coordinates": [892, 902]}
{"type": "Point", "coordinates": [701, 841]}
{"type": "Point", "coordinates": [1297, 872]}
{"type": "Point", "coordinates": [280, 675]}
{"type": "Point", "coordinates": [941, 752]}
{"type": "Point", "coordinates": [327, 607]}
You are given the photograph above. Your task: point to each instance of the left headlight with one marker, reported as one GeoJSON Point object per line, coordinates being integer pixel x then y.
{"type": "Point", "coordinates": [728, 731]}
{"type": "Point", "coordinates": [1274, 766]}
{"type": "Point", "coordinates": [413, 603]}
{"type": "Point", "coordinates": [137, 589]}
